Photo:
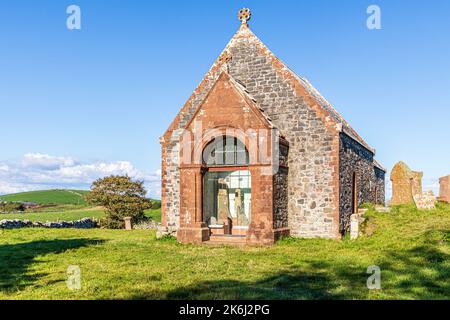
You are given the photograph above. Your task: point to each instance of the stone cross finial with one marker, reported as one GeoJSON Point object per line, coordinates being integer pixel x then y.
{"type": "Point", "coordinates": [244, 15]}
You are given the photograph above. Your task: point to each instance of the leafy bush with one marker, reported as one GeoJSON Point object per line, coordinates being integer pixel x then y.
{"type": "Point", "coordinates": [121, 197]}
{"type": "Point", "coordinates": [156, 205]}
{"type": "Point", "coordinates": [11, 207]}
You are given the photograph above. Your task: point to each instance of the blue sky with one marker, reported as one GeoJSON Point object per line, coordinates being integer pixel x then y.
{"type": "Point", "coordinates": [79, 104]}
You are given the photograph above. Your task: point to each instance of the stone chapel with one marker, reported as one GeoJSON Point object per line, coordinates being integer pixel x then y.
{"type": "Point", "coordinates": [256, 153]}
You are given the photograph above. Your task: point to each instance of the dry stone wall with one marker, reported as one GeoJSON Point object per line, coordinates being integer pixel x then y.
{"type": "Point", "coordinates": [85, 223]}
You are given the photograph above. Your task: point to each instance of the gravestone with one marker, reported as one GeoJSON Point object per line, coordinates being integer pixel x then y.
{"type": "Point", "coordinates": [444, 193]}
{"type": "Point", "coordinates": [405, 184]}
{"type": "Point", "coordinates": [416, 182]}
{"type": "Point", "coordinates": [425, 200]}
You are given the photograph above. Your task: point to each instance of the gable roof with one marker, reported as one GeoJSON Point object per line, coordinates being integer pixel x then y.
{"type": "Point", "coordinates": [245, 95]}
{"type": "Point", "coordinates": [301, 87]}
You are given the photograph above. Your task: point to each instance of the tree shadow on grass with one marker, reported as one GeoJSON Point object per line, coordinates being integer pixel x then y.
{"type": "Point", "coordinates": [280, 286]}
{"type": "Point", "coordinates": [321, 280]}
{"type": "Point", "coordinates": [15, 259]}
{"type": "Point", "coordinates": [421, 272]}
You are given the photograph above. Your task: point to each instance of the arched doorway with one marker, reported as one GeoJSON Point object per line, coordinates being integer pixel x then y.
{"type": "Point", "coordinates": [227, 186]}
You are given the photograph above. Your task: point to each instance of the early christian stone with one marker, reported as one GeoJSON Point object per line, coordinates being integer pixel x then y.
{"type": "Point", "coordinates": [425, 201]}
{"type": "Point", "coordinates": [240, 214]}
{"type": "Point", "coordinates": [222, 206]}
{"type": "Point", "coordinates": [444, 193]}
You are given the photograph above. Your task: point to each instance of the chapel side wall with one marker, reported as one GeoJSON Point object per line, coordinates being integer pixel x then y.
{"type": "Point", "coordinates": [170, 179]}
{"type": "Point", "coordinates": [354, 158]}
{"type": "Point", "coordinates": [313, 199]}
{"type": "Point", "coordinates": [281, 191]}
{"type": "Point", "coordinates": [380, 196]}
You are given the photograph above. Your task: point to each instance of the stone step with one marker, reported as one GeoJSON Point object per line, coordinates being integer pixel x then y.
{"type": "Point", "coordinates": [227, 239]}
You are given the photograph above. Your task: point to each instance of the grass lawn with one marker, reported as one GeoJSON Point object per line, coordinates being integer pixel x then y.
{"type": "Point", "coordinates": [48, 197]}
{"type": "Point", "coordinates": [412, 249]}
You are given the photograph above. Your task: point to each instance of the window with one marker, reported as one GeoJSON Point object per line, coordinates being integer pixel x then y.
{"type": "Point", "coordinates": [225, 151]}
{"type": "Point", "coordinates": [227, 197]}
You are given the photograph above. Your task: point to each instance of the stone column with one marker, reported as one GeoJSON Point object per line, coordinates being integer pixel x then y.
{"type": "Point", "coordinates": [261, 229]}
{"type": "Point", "coordinates": [192, 229]}
{"type": "Point", "coordinates": [198, 196]}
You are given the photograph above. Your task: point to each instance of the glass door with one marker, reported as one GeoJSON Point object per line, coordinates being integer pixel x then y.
{"type": "Point", "coordinates": [227, 198]}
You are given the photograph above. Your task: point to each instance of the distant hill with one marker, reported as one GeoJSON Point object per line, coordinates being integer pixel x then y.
{"type": "Point", "coordinates": [57, 197]}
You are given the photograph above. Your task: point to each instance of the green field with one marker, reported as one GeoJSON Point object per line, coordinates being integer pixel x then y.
{"type": "Point", "coordinates": [48, 197]}
{"type": "Point", "coordinates": [411, 247]}
{"type": "Point", "coordinates": [60, 215]}
{"type": "Point", "coordinates": [60, 205]}
{"type": "Point", "coordinates": [63, 214]}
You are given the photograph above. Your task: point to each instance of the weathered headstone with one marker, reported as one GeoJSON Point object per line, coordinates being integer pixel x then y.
{"type": "Point", "coordinates": [405, 184]}
{"type": "Point", "coordinates": [444, 193]}
{"type": "Point", "coordinates": [425, 200]}
{"type": "Point", "coordinates": [416, 182]}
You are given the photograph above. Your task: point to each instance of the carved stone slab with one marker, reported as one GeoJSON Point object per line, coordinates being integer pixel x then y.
{"type": "Point", "coordinates": [425, 201]}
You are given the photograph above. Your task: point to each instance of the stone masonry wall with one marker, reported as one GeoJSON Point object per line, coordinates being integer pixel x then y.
{"type": "Point", "coordinates": [170, 200]}
{"type": "Point", "coordinates": [380, 194]}
{"type": "Point", "coordinates": [354, 158]}
{"type": "Point", "coordinates": [280, 202]}
{"type": "Point", "coordinates": [281, 190]}
{"type": "Point", "coordinates": [310, 177]}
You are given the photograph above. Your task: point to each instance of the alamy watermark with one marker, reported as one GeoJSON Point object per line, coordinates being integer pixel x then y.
{"type": "Point", "coordinates": [374, 19]}
{"type": "Point", "coordinates": [374, 281]}
{"type": "Point", "coordinates": [73, 278]}
{"type": "Point", "coordinates": [73, 21]}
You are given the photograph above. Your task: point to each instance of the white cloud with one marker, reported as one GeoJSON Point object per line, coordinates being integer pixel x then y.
{"type": "Point", "coordinates": [13, 187]}
{"type": "Point", "coordinates": [46, 162]}
{"type": "Point", "coordinates": [37, 171]}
